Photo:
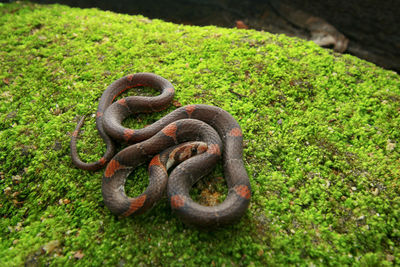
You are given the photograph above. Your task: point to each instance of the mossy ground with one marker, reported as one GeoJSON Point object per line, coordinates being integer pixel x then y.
{"type": "Point", "coordinates": [321, 147]}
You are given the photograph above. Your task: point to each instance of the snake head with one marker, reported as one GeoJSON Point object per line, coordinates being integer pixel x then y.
{"type": "Point", "coordinates": [185, 151]}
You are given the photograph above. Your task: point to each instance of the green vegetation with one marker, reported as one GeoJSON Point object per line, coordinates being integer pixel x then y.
{"type": "Point", "coordinates": [321, 146]}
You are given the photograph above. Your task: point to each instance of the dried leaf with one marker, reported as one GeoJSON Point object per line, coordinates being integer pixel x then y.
{"type": "Point", "coordinates": [79, 255]}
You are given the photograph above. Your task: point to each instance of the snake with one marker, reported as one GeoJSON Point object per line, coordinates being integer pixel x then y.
{"type": "Point", "coordinates": [144, 104]}
{"type": "Point", "coordinates": [199, 125]}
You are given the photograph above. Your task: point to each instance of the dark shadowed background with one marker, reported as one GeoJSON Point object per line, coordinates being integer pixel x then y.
{"type": "Point", "coordinates": [371, 26]}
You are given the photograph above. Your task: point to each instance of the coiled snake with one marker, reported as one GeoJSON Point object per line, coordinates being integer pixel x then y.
{"type": "Point", "coordinates": [208, 131]}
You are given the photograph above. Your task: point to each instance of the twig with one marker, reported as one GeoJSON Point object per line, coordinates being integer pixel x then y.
{"type": "Point", "coordinates": [236, 93]}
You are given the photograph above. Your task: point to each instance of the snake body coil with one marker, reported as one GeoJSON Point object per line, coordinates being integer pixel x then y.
{"type": "Point", "coordinates": [213, 127]}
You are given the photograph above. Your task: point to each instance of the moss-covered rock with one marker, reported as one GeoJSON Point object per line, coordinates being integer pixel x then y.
{"type": "Point", "coordinates": [321, 147]}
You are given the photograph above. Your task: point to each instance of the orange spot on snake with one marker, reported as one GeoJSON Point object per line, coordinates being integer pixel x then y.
{"type": "Point", "coordinates": [202, 148]}
{"type": "Point", "coordinates": [214, 149]}
{"type": "Point", "coordinates": [170, 130]}
{"type": "Point", "coordinates": [136, 203]}
{"type": "Point", "coordinates": [129, 77]}
{"type": "Point", "coordinates": [112, 167]}
{"type": "Point", "coordinates": [122, 102]}
{"type": "Point", "coordinates": [128, 133]}
{"type": "Point", "coordinates": [236, 132]}
{"type": "Point", "coordinates": [75, 133]}
{"type": "Point", "coordinates": [170, 90]}
{"type": "Point", "coordinates": [156, 162]}
{"type": "Point", "coordinates": [177, 201]}
{"type": "Point", "coordinates": [102, 161]}
{"type": "Point", "coordinates": [243, 191]}
{"type": "Point", "coordinates": [99, 114]}
{"type": "Point", "coordinates": [189, 109]}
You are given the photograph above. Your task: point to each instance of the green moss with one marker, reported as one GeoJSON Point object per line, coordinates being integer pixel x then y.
{"type": "Point", "coordinates": [321, 135]}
